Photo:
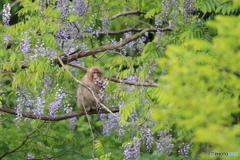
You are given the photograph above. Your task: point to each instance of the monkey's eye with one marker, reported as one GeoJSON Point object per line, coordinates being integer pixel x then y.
{"type": "Point", "coordinates": [96, 72]}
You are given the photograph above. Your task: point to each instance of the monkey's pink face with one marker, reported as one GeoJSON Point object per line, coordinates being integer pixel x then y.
{"type": "Point", "coordinates": [96, 76]}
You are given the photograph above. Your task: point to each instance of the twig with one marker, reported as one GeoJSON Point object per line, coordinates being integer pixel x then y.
{"type": "Point", "coordinates": [129, 65]}
{"type": "Point", "coordinates": [140, 21]}
{"type": "Point", "coordinates": [126, 13]}
{"type": "Point", "coordinates": [134, 30]}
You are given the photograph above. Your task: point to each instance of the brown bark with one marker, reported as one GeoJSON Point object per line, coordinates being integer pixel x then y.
{"type": "Point", "coordinates": [56, 117]}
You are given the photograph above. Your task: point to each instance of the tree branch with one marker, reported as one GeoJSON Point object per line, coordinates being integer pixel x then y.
{"type": "Point", "coordinates": [118, 80]}
{"type": "Point", "coordinates": [126, 13]}
{"type": "Point", "coordinates": [84, 53]}
{"type": "Point", "coordinates": [134, 30]}
{"type": "Point", "coordinates": [56, 117]}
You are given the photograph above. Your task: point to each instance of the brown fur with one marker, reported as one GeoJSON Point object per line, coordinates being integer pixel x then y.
{"type": "Point", "coordinates": [84, 95]}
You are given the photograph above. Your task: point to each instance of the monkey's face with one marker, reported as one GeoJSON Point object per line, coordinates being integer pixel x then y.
{"type": "Point", "coordinates": [96, 76]}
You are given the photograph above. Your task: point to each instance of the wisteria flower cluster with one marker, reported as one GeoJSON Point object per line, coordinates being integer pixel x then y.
{"type": "Point", "coordinates": [6, 14]}
{"type": "Point", "coordinates": [110, 123]}
{"type": "Point", "coordinates": [79, 7]}
{"type": "Point", "coordinates": [102, 91]}
{"type": "Point", "coordinates": [57, 104]}
{"type": "Point", "coordinates": [148, 137]}
{"type": "Point", "coordinates": [64, 6]}
{"type": "Point", "coordinates": [131, 152]}
{"type": "Point", "coordinates": [106, 25]}
{"type": "Point", "coordinates": [33, 52]}
{"type": "Point", "coordinates": [184, 150]}
{"type": "Point", "coordinates": [189, 9]}
{"type": "Point", "coordinates": [164, 144]}
{"type": "Point", "coordinates": [168, 7]}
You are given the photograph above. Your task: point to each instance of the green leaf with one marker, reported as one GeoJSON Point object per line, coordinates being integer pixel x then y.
{"type": "Point", "coordinates": [127, 110]}
{"type": "Point", "coordinates": [13, 57]}
{"type": "Point", "coordinates": [99, 147]}
{"type": "Point", "coordinates": [19, 78]}
{"type": "Point", "coordinates": [8, 66]}
{"type": "Point", "coordinates": [49, 40]}
{"type": "Point", "coordinates": [72, 17]}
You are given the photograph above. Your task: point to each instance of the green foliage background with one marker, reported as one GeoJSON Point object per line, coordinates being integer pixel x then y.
{"type": "Point", "coordinates": [202, 87]}
{"type": "Point", "coordinates": [198, 97]}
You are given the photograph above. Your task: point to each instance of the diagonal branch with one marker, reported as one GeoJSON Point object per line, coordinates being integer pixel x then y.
{"type": "Point", "coordinates": [84, 53]}
{"type": "Point", "coordinates": [56, 117]}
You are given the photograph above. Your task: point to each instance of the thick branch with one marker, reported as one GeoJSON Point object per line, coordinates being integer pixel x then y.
{"type": "Point", "coordinates": [118, 80]}
{"type": "Point", "coordinates": [117, 45]}
{"type": "Point", "coordinates": [57, 117]}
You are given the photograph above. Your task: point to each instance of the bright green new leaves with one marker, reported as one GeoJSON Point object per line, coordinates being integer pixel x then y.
{"type": "Point", "coordinates": [151, 12]}
{"type": "Point", "coordinates": [207, 6]}
{"type": "Point", "coordinates": [201, 91]}
{"type": "Point", "coordinates": [32, 76]}
{"type": "Point", "coordinates": [127, 110]}
{"type": "Point", "coordinates": [219, 6]}
{"type": "Point", "coordinates": [49, 40]}
{"type": "Point", "coordinates": [226, 8]}
{"type": "Point", "coordinates": [99, 146]}
{"type": "Point", "coordinates": [236, 3]}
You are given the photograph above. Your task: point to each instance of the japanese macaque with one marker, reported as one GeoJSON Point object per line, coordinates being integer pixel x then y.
{"type": "Point", "coordinates": [94, 80]}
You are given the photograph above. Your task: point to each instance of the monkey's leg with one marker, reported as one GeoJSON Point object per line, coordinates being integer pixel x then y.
{"type": "Point", "coordinates": [88, 108]}
{"type": "Point", "coordinates": [94, 107]}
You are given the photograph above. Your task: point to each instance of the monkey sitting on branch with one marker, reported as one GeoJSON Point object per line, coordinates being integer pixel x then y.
{"type": "Point", "coordinates": [92, 92]}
